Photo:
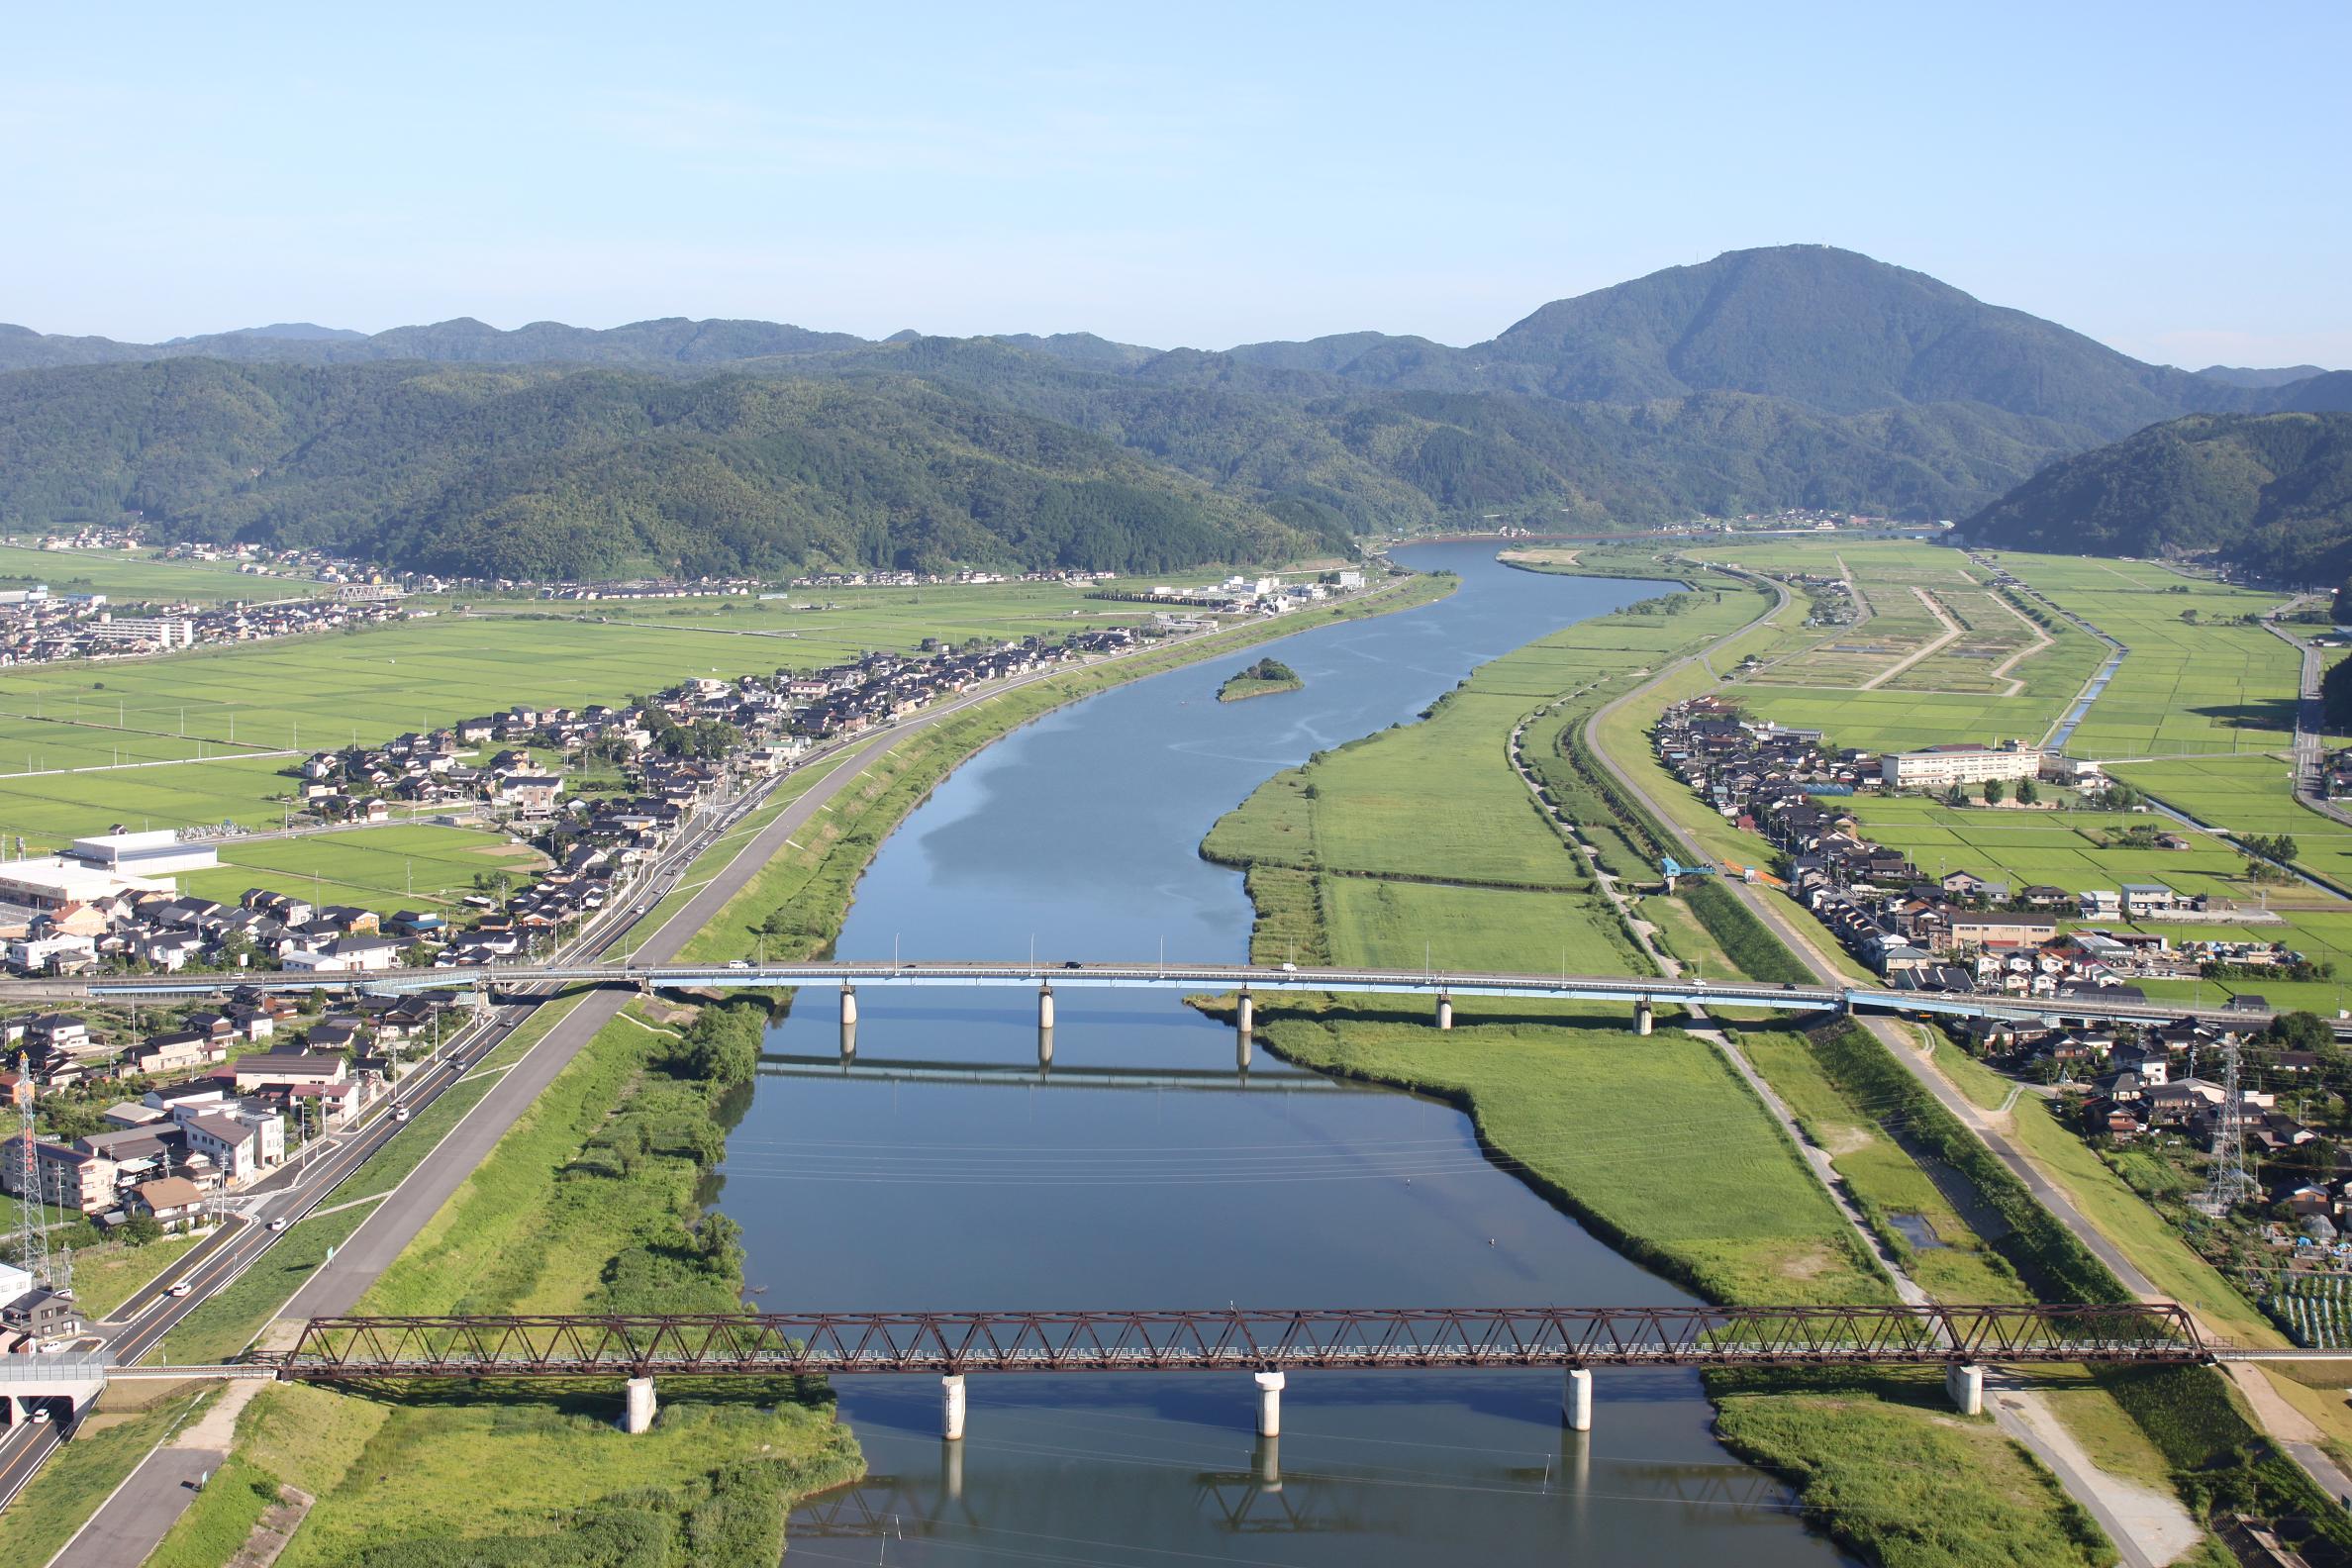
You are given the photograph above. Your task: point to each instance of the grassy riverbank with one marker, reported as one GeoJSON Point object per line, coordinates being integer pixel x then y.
{"type": "Point", "coordinates": [589, 1204]}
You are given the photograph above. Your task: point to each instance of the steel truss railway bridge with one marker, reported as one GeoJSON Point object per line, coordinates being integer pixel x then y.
{"type": "Point", "coordinates": [1246, 981]}
{"type": "Point", "coordinates": [1267, 1344]}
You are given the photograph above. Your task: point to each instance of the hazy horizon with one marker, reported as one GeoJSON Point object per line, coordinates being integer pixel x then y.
{"type": "Point", "coordinates": [2159, 185]}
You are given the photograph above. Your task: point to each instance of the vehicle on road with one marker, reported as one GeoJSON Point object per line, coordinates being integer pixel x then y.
{"type": "Point", "coordinates": [739, 963]}
{"type": "Point", "coordinates": [401, 1114]}
{"type": "Point", "coordinates": [1290, 968]}
{"type": "Point", "coordinates": [279, 1223]}
{"type": "Point", "coordinates": [180, 1287]}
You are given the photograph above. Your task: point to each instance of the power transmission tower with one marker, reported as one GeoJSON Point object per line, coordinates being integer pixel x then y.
{"type": "Point", "coordinates": [32, 1222]}
{"type": "Point", "coordinates": [2228, 1185]}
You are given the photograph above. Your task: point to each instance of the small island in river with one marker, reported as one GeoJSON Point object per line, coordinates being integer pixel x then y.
{"type": "Point", "coordinates": [1262, 679]}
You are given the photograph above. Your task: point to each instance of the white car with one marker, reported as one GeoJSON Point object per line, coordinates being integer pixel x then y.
{"type": "Point", "coordinates": [279, 1223]}
{"type": "Point", "coordinates": [1290, 968]}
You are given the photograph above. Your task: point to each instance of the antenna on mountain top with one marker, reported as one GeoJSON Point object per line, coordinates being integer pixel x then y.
{"type": "Point", "coordinates": [2228, 1185]}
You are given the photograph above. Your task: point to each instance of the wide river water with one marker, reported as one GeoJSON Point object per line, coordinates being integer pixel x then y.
{"type": "Point", "coordinates": [1147, 1171]}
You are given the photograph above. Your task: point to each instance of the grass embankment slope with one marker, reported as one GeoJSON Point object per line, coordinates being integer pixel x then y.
{"type": "Point", "coordinates": [590, 1204]}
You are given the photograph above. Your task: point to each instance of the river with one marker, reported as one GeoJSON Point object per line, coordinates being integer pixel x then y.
{"type": "Point", "coordinates": [959, 1178]}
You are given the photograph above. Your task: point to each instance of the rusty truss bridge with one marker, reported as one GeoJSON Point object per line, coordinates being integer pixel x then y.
{"type": "Point", "coordinates": [953, 1343]}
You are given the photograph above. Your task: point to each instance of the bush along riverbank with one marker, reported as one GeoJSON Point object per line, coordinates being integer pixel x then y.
{"type": "Point", "coordinates": [591, 1204]}
{"type": "Point", "coordinates": [1262, 679]}
{"type": "Point", "coordinates": [1567, 1099]}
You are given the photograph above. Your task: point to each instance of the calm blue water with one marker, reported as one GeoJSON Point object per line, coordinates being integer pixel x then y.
{"type": "Point", "coordinates": [1079, 836]}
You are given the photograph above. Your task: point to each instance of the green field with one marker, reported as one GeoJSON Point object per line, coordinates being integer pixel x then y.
{"type": "Point", "coordinates": [385, 869]}
{"type": "Point", "coordinates": [313, 693]}
{"type": "Point", "coordinates": [2056, 848]}
{"type": "Point", "coordinates": [136, 575]}
{"type": "Point", "coordinates": [2185, 687]}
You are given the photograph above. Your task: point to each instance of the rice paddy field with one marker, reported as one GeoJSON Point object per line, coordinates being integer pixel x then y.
{"type": "Point", "coordinates": [142, 575]}
{"type": "Point", "coordinates": [2058, 848]}
{"type": "Point", "coordinates": [2186, 687]}
{"type": "Point", "coordinates": [1936, 655]}
{"type": "Point", "coordinates": [227, 721]}
{"type": "Point", "coordinates": [388, 868]}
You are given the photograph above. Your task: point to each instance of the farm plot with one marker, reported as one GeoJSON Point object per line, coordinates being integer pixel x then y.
{"type": "Point", "coordinates": [2194, 681]}
{"type": "Point", "coordinates": [379, 868]}
{"type": "Point", "coordinates": [2249, 795]}
{"type": "Point", "coordinates": [2060, 849]}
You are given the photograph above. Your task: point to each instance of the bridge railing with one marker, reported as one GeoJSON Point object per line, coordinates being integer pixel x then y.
{"type": "Point", "coordinates": [813, 1343]}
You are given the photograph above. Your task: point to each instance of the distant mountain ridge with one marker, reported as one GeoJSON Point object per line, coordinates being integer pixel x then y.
{"type": "Point", "coordinates": [1829, 329]}
{"type": "Point", "coordinates": [1799, 375]}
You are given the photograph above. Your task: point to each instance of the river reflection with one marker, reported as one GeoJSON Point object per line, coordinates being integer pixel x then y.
{"type": "Point", "coordinates": [1143, 1171]}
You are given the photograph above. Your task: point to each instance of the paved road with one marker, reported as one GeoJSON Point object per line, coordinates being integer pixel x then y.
{"type": "Point", "coordinates": [130, 1524]}
{"type": "Point", "coordinates": [2310, 739]}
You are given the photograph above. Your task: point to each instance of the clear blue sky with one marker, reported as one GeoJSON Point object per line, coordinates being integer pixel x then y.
{"type": "Point", "coordinates": [2170, 178]}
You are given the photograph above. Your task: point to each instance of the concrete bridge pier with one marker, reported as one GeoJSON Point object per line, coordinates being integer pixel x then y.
{"type": "Point", "coordinates": [1265, 1457]}
{"type": "Point", "coordinates": [639, 1417]}
{"type": "Point", "coordinates": [1576, 1400]}
{"type": "Point", "coordinates": [849, 1022]}
{"type": "Point", "coordinates": [1645, 1017]}
{"type": "Point", "coordinates": [1045, 1026]}
{"type": "Point", "coordinates": [1244, 1024]}
{"type": "Point", "coordinates": [1269, 1411]}
{"type": "Point", "coordinates": [1966, 1386]}
{"type": "Point", "coordinates": [1445, 1011]}
{"type": "Point", "coordinates": [952, 1406]}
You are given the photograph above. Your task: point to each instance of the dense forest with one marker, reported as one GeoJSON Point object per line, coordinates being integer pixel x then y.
{"type": "Point", "coordinates": [1794, 376]}
{"type": "Point", "coordinates": [587, 474]}
{"type": "Point", "coordinates": [2272, 493]}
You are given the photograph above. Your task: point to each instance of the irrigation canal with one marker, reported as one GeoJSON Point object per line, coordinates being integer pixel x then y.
{"type": "Point", "coordinates": [875, 1191]}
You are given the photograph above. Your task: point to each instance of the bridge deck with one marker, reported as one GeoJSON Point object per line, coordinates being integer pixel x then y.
{"type": "Point", "coordinates": [1214, 978]}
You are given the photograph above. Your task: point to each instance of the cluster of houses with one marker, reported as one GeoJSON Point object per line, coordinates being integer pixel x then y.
{"type": "Point", "coordinates": [967, 578]}
{"type": "Point", "coordinates": [1240, 595]}
{"type": "Point", "coordinates": [1832, 598]}
{"type": "Point", "coordinates": [214, 1094]}
{"type": "Point", "coordinates": [111, 900]}
{"type": "Point", "coordinates": [38, 628]}
{"type": "Point", "coordinates": [1953, 932]}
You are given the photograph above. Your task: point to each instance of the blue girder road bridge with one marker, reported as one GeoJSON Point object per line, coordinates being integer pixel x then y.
{"type": "Point", "coordinates": [1243, 980]}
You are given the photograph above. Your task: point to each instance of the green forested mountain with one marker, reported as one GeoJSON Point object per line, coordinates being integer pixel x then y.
{"type": "Point", "coordinates": [1801, 375]}
{"type": "Point", "coordinates": [2272, 492]}
{"type": "Point", "coordinates": [537, 472]}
